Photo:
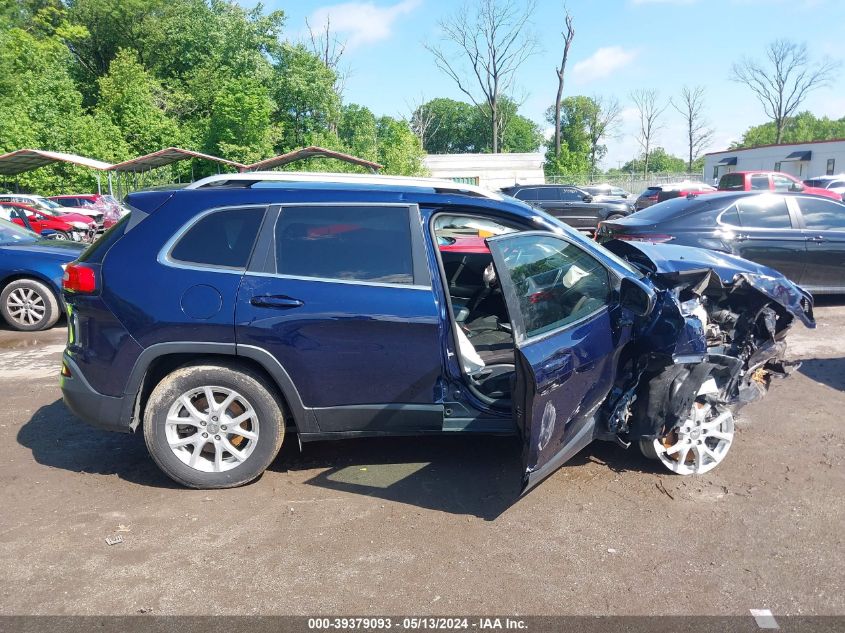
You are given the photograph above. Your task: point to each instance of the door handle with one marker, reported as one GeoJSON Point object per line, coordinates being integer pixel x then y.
{"type": "Point", "coordinates": [816, 239]}
{"type": "Point", "coordinates": [276, 301]}
{"type": "Point", "coordinates": [740, 237]}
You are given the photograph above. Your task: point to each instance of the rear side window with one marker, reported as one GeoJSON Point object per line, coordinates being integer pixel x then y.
{"type": "Point", "coordinates": [222, 238]}
{"type": "Point", "coordinates": [760, 182]}
{"type": "Point", "coordinates": [526, 194]}
{"type": "Point", "coordinates": [733, 182]}
{"type": "Point", "coordinates": [764, 212]}
{"type": "Point", "coordinates": [822, 215]}
{"type": "Point", "coordinates": [345, 243]}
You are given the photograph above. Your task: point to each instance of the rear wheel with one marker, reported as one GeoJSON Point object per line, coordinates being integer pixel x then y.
{"type": "Point", "coordinates": [698, 445]}
{"type": "Point", "coordinates": [209, 426]}
{"type": "Point", "coordinates": [29, 305]}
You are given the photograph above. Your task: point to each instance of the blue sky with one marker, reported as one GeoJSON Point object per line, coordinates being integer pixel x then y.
{"type": "Point", "coordinates": [620, 45]}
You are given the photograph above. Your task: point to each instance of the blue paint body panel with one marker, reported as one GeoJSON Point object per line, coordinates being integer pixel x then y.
{"type": "Point", "coordinates": [357, 357]}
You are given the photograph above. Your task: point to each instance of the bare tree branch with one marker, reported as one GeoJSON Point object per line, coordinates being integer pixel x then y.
{"type": "Point", "coordinates": [568, 35]}
{"type": "Point", "coordinates": [482, 47]}
{"type": "Point", "coordinates": [329, 49]}
{"type": "Point", "coordinates": [691, 108]}
{"type": "Point", "coordinates": [423, 120]}
{"type": "Point", "coordinates": [649, 109]}
{"type": "Point", "coordinates": [783, 83]}
{"type": "Point", "coordinates": [601, 122]}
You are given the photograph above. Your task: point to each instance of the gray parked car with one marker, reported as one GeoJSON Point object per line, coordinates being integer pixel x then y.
{"type": "Point", "coordinates": [578, 208]}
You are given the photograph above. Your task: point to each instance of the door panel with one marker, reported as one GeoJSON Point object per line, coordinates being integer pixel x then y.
{"type": "Point", "coordinates": [783, 250]}
{"type": "Point", "coordinates": [559, 299]}
{"type": "Point", "coordinates": [344, 344]}
{"type": "Point", "coordinates": [824, 222]}
{"type": "Point", "coordinates": [344, 308]}
{"type": "Point", "coordinates": [768, 234]}
{"type": "Point", "coordinates": [825, 261]}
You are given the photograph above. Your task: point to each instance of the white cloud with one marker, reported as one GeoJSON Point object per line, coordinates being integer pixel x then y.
{"type": "Point", "coordinates": [603, 62]}
{"type": "Point", "coordinates": [362, 22]}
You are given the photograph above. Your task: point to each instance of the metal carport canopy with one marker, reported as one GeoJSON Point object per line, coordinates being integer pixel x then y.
{"type": "Point", "coordinates": [168, 156]}
{"type": "Point", "coordinates": [310, 152]}
{"type": "Point", "coordinates": [24, 160]}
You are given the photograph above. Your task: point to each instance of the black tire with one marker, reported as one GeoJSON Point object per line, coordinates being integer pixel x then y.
{"type": "Point", "coordinates": [271, 424]}
{"type": "Point", "coordinates": [38, 300]}
{"type": "Point", "coordinates": [614, 216]}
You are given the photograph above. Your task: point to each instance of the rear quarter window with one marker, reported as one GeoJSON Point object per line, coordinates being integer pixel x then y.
{"type": "Point", "coordinates": [222, 238]}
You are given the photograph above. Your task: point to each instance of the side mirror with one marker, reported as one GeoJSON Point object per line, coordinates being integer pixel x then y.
{"type": "Point", "coordinates": [796, 187]}
{"type": "Point", "coordinates": [587, 198]}
{"type": "Point", "coordinates": [636, 296]}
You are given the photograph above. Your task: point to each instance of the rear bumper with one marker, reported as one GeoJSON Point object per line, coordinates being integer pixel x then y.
{"type": "Point", "coordinates": [105, 412]}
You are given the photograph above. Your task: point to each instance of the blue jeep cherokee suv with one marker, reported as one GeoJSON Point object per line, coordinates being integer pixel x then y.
{"type": "Point", "coordinates": [221, 316]}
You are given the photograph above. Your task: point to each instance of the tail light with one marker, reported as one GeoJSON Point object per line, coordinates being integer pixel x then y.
{"type": "Point", "coordinates": [79, 278]}
{"type": "Point", "coordinates": [646, 237]}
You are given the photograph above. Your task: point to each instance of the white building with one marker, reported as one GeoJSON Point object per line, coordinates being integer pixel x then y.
{"type": "Point", "coordinates": [802, 160]}
{"type": "Point", "coordinates": [491, 171]}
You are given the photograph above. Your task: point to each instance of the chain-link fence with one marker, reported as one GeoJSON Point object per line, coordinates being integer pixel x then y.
{"type": "Point", "coordinates": [634, 183]}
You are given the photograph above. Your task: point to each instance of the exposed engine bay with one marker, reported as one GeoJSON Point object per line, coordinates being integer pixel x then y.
{"type": "Point", "coordinates": [710, 346]}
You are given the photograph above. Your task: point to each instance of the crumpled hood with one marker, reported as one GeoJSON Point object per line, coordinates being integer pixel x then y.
{"type": "Point", "coordinates": [670, 258]}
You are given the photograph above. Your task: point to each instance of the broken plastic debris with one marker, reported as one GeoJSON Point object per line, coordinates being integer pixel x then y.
{"type": "Point", "coordinates": [114, 540]}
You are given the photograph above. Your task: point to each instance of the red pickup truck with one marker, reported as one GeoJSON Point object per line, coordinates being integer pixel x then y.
{"type": "Point", "coordinates": [771, 181]}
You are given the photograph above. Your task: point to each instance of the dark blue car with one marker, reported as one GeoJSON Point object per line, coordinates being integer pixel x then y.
{"type": "Point", "coordinates": [223, 316]}
{"type": "Point", "coordinates": [31, 270]}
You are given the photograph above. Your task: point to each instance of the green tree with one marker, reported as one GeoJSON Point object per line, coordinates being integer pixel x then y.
{"type": "Point", "coordinates": [137, 104]}
{"type": "Point", "coordinates": [40, 107]}
{"type": "Point", "coordinates": [659, 161]}
{"type": "Point", "coordinates": [358, 132]}
{"type": "Point", "coordinates": [239, 127]}
{"type": "Point", "coordinates": [306, 101]}
{"type": "Point", "coordinates": [399, 149]}
{"type": "Point", "coordinates": [447, 126]}
{"type": "Point", "coordinates": [802, 128]}
{"type": "Point", "coordinates": [575, 139]}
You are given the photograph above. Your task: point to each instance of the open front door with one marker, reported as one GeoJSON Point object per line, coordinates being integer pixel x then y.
{"type": "Point", "coordinates": [559, 299]}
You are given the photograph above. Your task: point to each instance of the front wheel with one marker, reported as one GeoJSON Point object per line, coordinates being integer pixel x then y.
{"type": "Point", "coordinates": [209, 426]}
{"type": "Point", "coordinates": [614, 216]}
{"type": "Point", "coordinates": [698, 445]}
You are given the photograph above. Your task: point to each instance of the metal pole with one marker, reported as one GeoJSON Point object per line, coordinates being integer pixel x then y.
{"type": "Point", "coordinates": [99, 187]}
{"type": "Point", "coordinates": [111, 193]}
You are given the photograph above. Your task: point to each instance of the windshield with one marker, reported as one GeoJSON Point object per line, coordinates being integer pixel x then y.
{"type": "Point", "coordinates": [13, 234]}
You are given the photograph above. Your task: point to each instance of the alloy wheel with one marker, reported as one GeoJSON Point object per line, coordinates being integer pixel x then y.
{"type": "Point", "coordinates": [26, 306]}
{"type": "Point", "coordinates": [212, 429]}
{"type": "Point", "coordinates": [698, 445]}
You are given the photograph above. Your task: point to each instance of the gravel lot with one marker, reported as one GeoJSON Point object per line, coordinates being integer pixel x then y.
{"type": "Point", "coordinates": [426, 526]}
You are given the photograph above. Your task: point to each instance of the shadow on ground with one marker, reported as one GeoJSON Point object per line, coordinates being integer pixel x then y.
{"type": "Point", "coordinates": [827, 371]}
{"type": "Point", "coordinates": [479, 476]}
{"type": "Point", "coordinates": [59, 439]}
{"type": "Point", "coordinates": [472, 475]}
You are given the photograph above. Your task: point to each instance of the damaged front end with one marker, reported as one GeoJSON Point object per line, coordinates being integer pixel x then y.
{"type": "Point", "coordinates": [714, 342]}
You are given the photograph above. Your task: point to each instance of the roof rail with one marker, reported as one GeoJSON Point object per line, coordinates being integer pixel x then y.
{"type": "Point", "coordinates": [248, 179]}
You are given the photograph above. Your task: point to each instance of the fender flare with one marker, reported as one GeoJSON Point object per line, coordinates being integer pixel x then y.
{"type": "Point", "coordinates": [303, 417]}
